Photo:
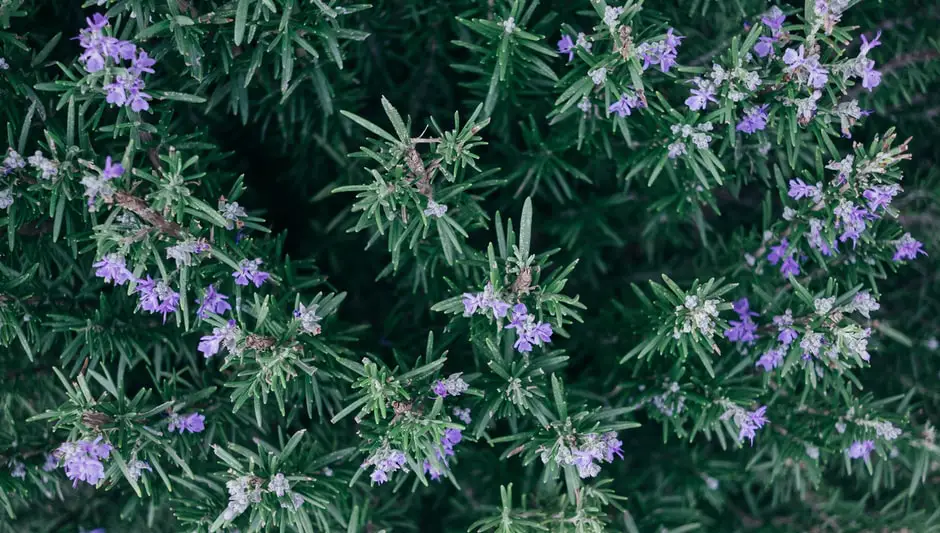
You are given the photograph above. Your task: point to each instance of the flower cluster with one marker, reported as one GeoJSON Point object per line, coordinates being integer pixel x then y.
{"type": "Point", "coordinates": [192, 423]}
{"type": "Point", "coordinates": [696, 316]}
{"type": "Point", "coordinates": [529, 332]}
{"type": "Point", "coordinates": [626, 104]}
{"type": "Point", "coordinates": [136, 467]}
{"type": "Point", "coordinates": [435, 209]}
{"type": "Point", "coordinates": [773, 20]}
{"type": "Point", "coordinates": [454, 385]}
{"type": "Point", "coordinates": [743, 330]}
{"type": "Point", "coordinates": [829, 12]}
{"type": "Point", "coordinates": [212, 301]}
{"type": "Point", "coordinates": [698, 134]}
{"type": "Point", "coordinates": [592, 447]}
{"type": "Point", "coordinates": [782, 251]}
{"type": "Point", "coordinates": [82, 460]}
{"type": "Point", "coordinates": [805, 67]}
{"type": "Point", "coordinates": [662, 52]}
{"type": "Point", "coordinates": [183, 252]}
{"type": "Point", "coordinates": [384, 461]}
{"type": "Point", "coordinates": [739, 82]}
{"type": "Point", "coordinates": [232, 213]}
{"type": "Point", "coordinates": [748, 422]}
{"type": "Point", "coordinates": [113, 268]}
{"type": "Point", "coordinates": [127, 89]}
{"type": "Point", "coordinates": [861, 449]}
{"type": "Point", "coordinates": [98, 185]}
{"type": "Point", "coordinates": [48, 168]}
{"type": "Point", "coordinates": [157, 296]}
{"type": "Point", "coordinates": [243, 491]}
{"type": "Point", "coordinates": [451, 438]}
{"type": "Point", "coordinates": [567, 46]}
{"type": "Point", "coordinates": [463, 414]}
{"type": "Point", "coordinates": [248, 272]}
{"type": "Point", "coordinates": [225, 337]}
{"type": "Point", "coordinates": [754, 120]}
{"type": "Point", "coordinates": [280, 487]}
{"type": "Point", "coordinates": [671, 402]}
{"type": "Point", "coordinates": [484, 302]}
{"type": "Point", "coordinates": [309, 319]}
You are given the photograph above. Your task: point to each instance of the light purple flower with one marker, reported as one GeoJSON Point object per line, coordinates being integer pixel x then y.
{"type": "Point", "coordinates": [852, 220]}
{"type": "Point", "coordinates": [880, 196]}
{"type": "Point", "coordinates": [743, 330]}
{"type": "Point", "coordinates": [750, 423]}
{"type": "Point", "coordinates": [142, 63]}
{"type": "Point", "coordinates": [224, 337]}
{"type": "Point", "coordinates": [625, 106]}
{"type": "Point", "coordinates": [861, 449]}
{"type": "Point", "coordinates": [463, 414]}
{"type": "Point", "coordinates": [662, 53]}
{"type": "Point", "coordinates": [774, 21]}
{"type": "Point", "coordinates": [764, 46]}
{"type": "Point", "coordinates": [157, 296]}
{"type": "Point", "coordinates": [700, 96]}
{"type": "Point", "coordinates": [871, 78]}
{"type": "Point", "coordinates": [51, 463]}
{"type": "Point", "coordinates": [566, 46]}
{"type": "Point", "coordinates": [799, 190]}
{"type": "Point", "coordinates": [908, 248]}
{"type": "Point", "coordinates": [82, 460]}
{"type": "Point", "coordinates": [790, 267]}
{"type": "Point", "coordinates": [770, 360]}
{"type": "Point", "coordinates": [111, 170]}
{"type": "Point", "coordinates": [379, 476]}
{"type": "Point", "coordinates": [454, 385]}
{"type": "Point", "coordinates": [777, 252]}
{"type": "Point", "coordinates": [248, 273]}
{"type": "Point", "coordinates": [113, 268]}
{"type": "Point", "coordinates": [483, 301]}
{"type": "Point", "coordinates": [212, 302]}
{"type": "Point", "coordinates": [755, 119]}
{"type": "Point", "coordinates": [867, 46]}
{"type": "Point", "coordinates": [529, 333]}
{"type": "Point", "coordinates": [192, 423]}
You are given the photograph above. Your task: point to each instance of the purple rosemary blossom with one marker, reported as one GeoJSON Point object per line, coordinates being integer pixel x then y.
{"type": "Point", "coordinates": [770, 360]}
{"type": "Point", "coordinates": [248, 273]}
{"type": "Point", "coordinates": [816, 240]}
{"type": "Point", "coordinates": [861, 449]}
{"type": "Point", "coordinates": [743, 330]}
{"type": "Point", "coordinates": [6, 198]}
{"type": "Point", "coordinates": [784, 325]}
{"type": "Point", "coordinates": [224, 337]}
{"type": "Point", "coordinates": [128, 91]}
{"type": "Point", "coordinates": [806, 69]}
{"type": "Point", "coordinates": [192, 423]}
{"type": "Point", "coordinates": [868, 45]}
{"type": "Point", "coordinates": [774, 20]}
{"type": "Point", "coordinates": [113, 269]}
{"type": "Point", "coordinates": [157, 296]}
{"type": "Point", "coordinates": [82, 460]}
{"type": "Point", "coordinates": [142, 63]}
{"type": "Point", "coordinates": [755, 119]}
{"type": "Point", "coordinates": [662, 53]}
{"type": "Point", "coordinates": [908, 248]}
{"type": "Point", "coordinates": [799, 190]}
{"type": "Point", "coordinates": [871, 78]}
{"type": "Point", "coordinates": [435, 209]}
{"type": "Point", "coordinates": [811, 344]}
{"type": "Point", "coordinates": [566, 46]}
{"type": "Point", "coordinates": [51, 463]}
{"type": "Point", "coordinates": [212, 301]}
{"type": "Point", "coordinates": [463, 415]}
{"type": "Point", "coordinates": [592, 447]}
{"type": "Point", "coordinates": [625, 106]}
{"type": "Point", "coordinates": [451, 438]}
{"type": "Point", "coordinates": [17, 469]}
{"type": "Point", "coordinates": [96, 186]}
{"type": "Point", "coordinates": [528, 332]}
{"type": "Point", "coordinates": [764, 46]}
{"type": "Point", "coordinates": [778, 252]}
{"type": "Point", "coordinates": [454, 385]}
{"type": "Point", "coordinates": [309, 319]}
{"type": "Point", "coordinates": [12, 161]}
{"type": "Point", "coordinates": [701, 95]}
{"type": "Point", "coordinates": [136, 467]}
{"type": "Point", "coordinates": [47, 168]}
{"type": "Point", "coordinates": [864, 303]}
{"type": "Point", "coordinates": [484, 302]}
{"type": "Point", "coordinates": [790, 267]}
{"type": "Point", "coordinates": [97, 46]}
{"type": "Point", "coordinates": [852, 220]}
{"type": "Point", "coordinates": [384, 461]}
{"type": "Point", "coordinates": [232, 213]}
{"type": "Point", "coordinates": [183, 252]}
{"type": "Point", "coordinates": [111, 170]}
{"type": "Point", "coordinates": [881, 196]}
{"type": "Point", "coordinates": [748, 422]}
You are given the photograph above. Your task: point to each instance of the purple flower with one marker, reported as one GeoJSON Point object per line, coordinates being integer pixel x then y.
{"type": "Point", "coordinates": [787, 336]}
{"type": "Point", "coordinates": [867, 46]}
{"type": "Point", "coordinates": [82, 460]}
{"type": "Point", "coordinates": [871, 78]}
{"type": "Point", "coordinates": [777, 252]}
{"type": "Point", "coordinates": [566, 46]}
{"type": "Point", "coordinates": [142, 63]}
{"type": "Point", "coordinates": [192, 423]}
{"type": "Point", "coordinates": [790, 266]}
{"type": "Point", "coordinates": [908, 248]}
{"type": "Point", "coordinates": [51, 463]}
{"type": "Point", "coordinates": [861, 449]}
{"type": "Point", "coordinates": [799, 189]}
{"type": "Point", "coordinates": [755, 119]}
{"type": "Point", "coordinates": [463, 414]}
{"type": "Point", "coordinates": [96, 22]}
{"type": "Point", "coordinates": [226, 337]}
{"type": "Point", "coordinates": [662, 53]}
{"type": "Point", "coordinates": [700, 97]}
{"type": "Point", "coordinates": [807, 69]}
{"type": "Point", "coordinates": [379, 476]}
{"type": "Point", "coordinates": [529, 333]}
{"type": "Point", "coordinates": [248, 273]}
{"type": "Point", "coordinates": [113, 269]}
{"type": "Point", "coordinates": [157, 296]}
{"type": "Point", "coordinates": [851, 219]}
{"type": "Point", "coordinates": [816, 240]}
{"type": "Point", "coordinates": [212, 302]}
{"type": "Point", "coordinates": [774, 21]}
{"type": "Point", "coordinates": [749, 423]}
{"type": "Point", "coordinates": [764, 46]}
{"type": "Point", "coordinates": [770, 360]}
{"type": "Point", "coordinates": [743, 330]}
{"type": "Point", "coordinates": [111, 171]}
{"type": "Point", "coordinates": [483, 301]}
{"type": "Point", "coordinates": [454, 385]}
{"type": "Point", "coordinates": [880, 196]}
{"type": "Point", "coordinates": [625, 106]}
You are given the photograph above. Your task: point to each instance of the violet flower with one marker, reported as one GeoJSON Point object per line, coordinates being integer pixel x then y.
{"type": "Point", "coordinates": [248, 273]}
{"type": "Point", "coordinates": [908, 248]}
{"type": "Point", "coordinates": [224, 337]}
{"type": "Point", "coordinates": [157, 296]}
{"type": "Point", "coordinates": [529, 333]}
{"type": "Point", "coordinates": [625, 106]}
{"type": "Point", "coordinates": [82, 460]}
{"type": "Point", "coordinates": [755, 119]}
{"type": "Point", "coordinates": [770, 360]}
{"type": "Point", "coordinates": [566, 46]}
{"type": "Point", "coordinates": [191, 423]}
{"type": "Point", "coordinates": [212, 302]}
{"type": "Point", "coordinates": [454, 385]}
{"type": "Point", "coordinates": [113, 268]}
{"type": "Point", "coordinates": [861, 449]}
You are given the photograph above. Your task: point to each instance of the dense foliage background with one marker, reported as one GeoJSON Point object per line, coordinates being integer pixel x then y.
{"type": "Point", "coordinates": [268, 103]}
